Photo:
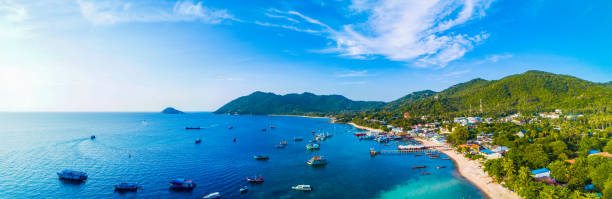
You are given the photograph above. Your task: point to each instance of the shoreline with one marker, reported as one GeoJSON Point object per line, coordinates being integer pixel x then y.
{"type": "Point", "coordinates": [468, 169]}
{"type": "Point", "coordinates": [320, 117]}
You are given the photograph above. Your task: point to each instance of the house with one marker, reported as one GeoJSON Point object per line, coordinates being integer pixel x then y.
{"type": "Point", "coordinates": [472, 146]}
{"type": "Point", "coordinates": [500, 149]}
{"type": "Point", "coordinates": [520, 134]}
{"type": "Point", "coordinates": [547, 180]}
{"type": "Point", "coordinates": [490, 154]}
{"type": "Point", "coordinates": [540, 173]}
{"type": "Point", "coordinates": [406, 115]}
{"type": "Point", "coordinates": [604, 154]}
{"type": "Point", "coordinates": [593, 152]}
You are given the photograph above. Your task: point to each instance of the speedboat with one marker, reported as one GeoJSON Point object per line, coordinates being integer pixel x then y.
{"type": "Point", "coordinates": [192, 128]}
{"type": "Point", "coordinates": [72, 175]}
{"type": "Point", "coordinates": [213, 195]}
{"type": "Point", "coordinates": [439, 167]}
{"type": "Point", "coordinates": [92, 137]}
{"type": "Point", "coordinates": [244, 189]}
{"type": "Point", "coordinates": [182, 184]}
{"type": "Point", "coordinates": [297, 139]}
{"type": "Point", "coordinates": [425, 173]}
{"type": "Point", "coordinates": [283, 142]}
{"type": "Point", "coordinates": [280, 146]}
{"type": "Point", "coordinates": [126, 186]}
{"type": "Point", "coordinates": [255, 179]}
{"type": "Point", "coordinates": [230, 127]}
{"type": "Point", "coordinates": [312, 146]}
{"type": "Point", "coordinates": [419, 167]}
{"type": "Point", "coordinates": [263, 130]}
{"type": "Point", "coordinates": [261, 157]}
{"type": "Point", "coordinates": [198, 141]}
{"type": "Point", "coordinates": [302, 187]}
{"type": "Point", "coordinates": [317, 161]}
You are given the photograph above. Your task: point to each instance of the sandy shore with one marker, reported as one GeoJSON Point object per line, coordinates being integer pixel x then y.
{"type": "Point", "coordinates": [364, 127]}
{"type": "Point", "coordinates": [473, 172]}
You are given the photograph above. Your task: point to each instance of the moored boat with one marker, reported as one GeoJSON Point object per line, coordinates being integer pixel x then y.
{"type": "Point", "coordinates": [92, 137]}
{"type": "Point", "coordinates": [244, 189]}
{"type": "Point", "coordinates": [425, 173]}
{"type": "Point", "coordinates": [72, 175]}
{"type": "Point", "coordinates": [280, 146]}
{"type": "Point", "coordinates": [317, 161]}
{"type": "Point", "coordinates": [192, 128]}
{"type": "Point", "coordinates": [261, 157]}
{"type": "Point", "coordinates": [312, 146]}
{"type": "Point", "coordinates": [419, 167]}
{"type": "Point", "coordinates": [360, 134]}
{"type": "Point", "coordinates": [255, 179]}
{"type": "Point", "coordinates": [182, 184]}
{"type": "Point", "coordinates": [283, 143]}
{"type": "Point", "coordinates": [439, 167]}
{"type": "Point", "coordinates": [302, 187]}
{"type": "Point", "coordinates": [213, 195]}
{"type": "Point", "coordinates": [297, 139]}
{"type": "Point", "coordinates": [126, 186]}
{"type": "Point", "coordinates": [446, 158]}
{"type": "Point", "coordinates": [263, 130]}
{"type": "Point", "coordinates": [198, 141]}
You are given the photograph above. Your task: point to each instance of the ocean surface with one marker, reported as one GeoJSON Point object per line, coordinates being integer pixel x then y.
{"type": "Point", "coordinates": [152, 149]}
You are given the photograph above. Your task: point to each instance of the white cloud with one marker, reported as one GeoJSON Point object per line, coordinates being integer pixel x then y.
{"type": "Point", "coordinates": [496, 58]}
{"type": "Point", "coordinates": [414, 31]}
{"type": "Point", "coordinates": [119, 11]}
{"type": "Point", "coordinates": [12, 18]}
{"type": "Point", "coordinates": [352, 73]}
{"type": "Point", "coordinates": [354, 83]}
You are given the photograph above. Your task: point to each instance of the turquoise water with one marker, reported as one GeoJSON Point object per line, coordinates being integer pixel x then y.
{"type": "Point", "coordinates": [37, 145]}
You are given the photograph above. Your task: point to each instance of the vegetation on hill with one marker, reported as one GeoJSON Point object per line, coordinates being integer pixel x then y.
{"type": "Point", "coordinates": [170, 110]}
{"type": "Point", "coordinates": [260, 103]}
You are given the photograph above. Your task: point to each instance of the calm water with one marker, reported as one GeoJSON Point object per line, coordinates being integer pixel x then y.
{"type": "Point", "coordinates": [37, 145]}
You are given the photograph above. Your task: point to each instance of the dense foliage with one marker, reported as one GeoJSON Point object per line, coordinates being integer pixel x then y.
{"type": "Point", "coordinates": [260, 103]}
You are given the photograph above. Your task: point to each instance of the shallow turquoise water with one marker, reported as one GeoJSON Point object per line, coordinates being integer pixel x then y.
{"type": "Point", "coordinates": [37, 145]}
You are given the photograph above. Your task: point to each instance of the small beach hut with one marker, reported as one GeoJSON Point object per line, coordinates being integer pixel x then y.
{"type": "Point", "coordinates": [539, 173]}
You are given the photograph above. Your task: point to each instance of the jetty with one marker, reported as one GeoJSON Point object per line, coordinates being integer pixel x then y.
{"type": "Point", "coordinates": [408, 149]}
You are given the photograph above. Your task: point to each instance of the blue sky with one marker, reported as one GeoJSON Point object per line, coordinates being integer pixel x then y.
{"type": "Point", "coordinates": [120, 55]}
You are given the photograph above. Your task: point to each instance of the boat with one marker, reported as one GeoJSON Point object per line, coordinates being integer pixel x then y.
{"type": "Point", "coordinates": [434, 157]}
{"type": "Point", "coordinates": [280, 146]}
{"type": "Point", "coordinates": [317, 161]}
{"type": "Point", "coordinates": [328, 135]}
{"type": "Point", "coordinates": [72, 175]}
{"type": "Point", "coordinates": [272, 127]}
{"type": "Point", "coordinates": [367, 137]}
{"type": "Point", "coordinates": [192, 128]}
{"type": "Point", "coordinates": [230, 127]}
{"type": "Point", "coordinates": [198, 141]}
{"type": "Point", "coordinates": [283, 142]}
{"type": "Point", "coordinates": [428, 153]}
{"type": "Point", "coordinates": [213, 195]}
{"type": "Point", "coordinates": [244, 189]}
{"type": "Point", "coordinates": [92, 137]}
{"type": "Point", "coordinates": [418, 154]}
{"type": "Point", "coordinates": [419, 167]}
{"type": "Point", "coordinates": [425, 173]}
{"type": "Point", "coordinates": [264, 130]}
{"type": "Point", "coordinates": [297, 139]}
{"type": "Point", "coordinates": [439, 167]}
{"type": "Point", "coordinates": [261, 157]}
{"type": "Point", "coordinates": [302, 187]}
{"type": "Point", "coordinates": [182, 184]}
{"type": "Point", "coordinates": [255, 179]}
{"type": "Point", "coordinates": [446, 158]}
{"type": "Point", "coordinates": [126, 186]}
{"type": "Point", "coordinates": [312, 146]}
{"type": "Point", "coordinates": [360, 134]}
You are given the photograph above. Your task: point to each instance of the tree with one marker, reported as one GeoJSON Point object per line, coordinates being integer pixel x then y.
{"type": "Point", "coordinates": [559, 170]}
{"type": "Point", "coordinates": [608, 147]}
{"type": "Point", "coordinates": [535, 156]}
{"type": "Point", "coordinates": [558, 148]}
{"type": "Point", "coordinates": [495, 169]}
{"type": "Point", "coordinates": [607, 191]}
{"type": "Point", "coordinates": [460, 135]}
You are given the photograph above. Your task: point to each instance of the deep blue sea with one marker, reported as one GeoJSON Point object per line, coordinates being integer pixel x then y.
{"type": "Point", "coordinates": [34, 146]}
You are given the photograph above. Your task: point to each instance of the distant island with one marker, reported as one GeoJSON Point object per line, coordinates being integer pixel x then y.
{"type": "Point", "coordinates": [171, 110]}
{"type": "Point", "coordinates": [261, 103]}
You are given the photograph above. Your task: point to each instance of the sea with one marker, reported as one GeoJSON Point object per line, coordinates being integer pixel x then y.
{"type": "Point", "coordinates": [152, 149]}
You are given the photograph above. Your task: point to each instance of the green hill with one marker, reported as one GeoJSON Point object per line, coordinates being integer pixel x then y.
{"type": "Point", "coordinates": [531, 91]}
{"type": "Point", "coordinates": [260, 103]}
{"type": "Point", "coordinates": [170, 110]}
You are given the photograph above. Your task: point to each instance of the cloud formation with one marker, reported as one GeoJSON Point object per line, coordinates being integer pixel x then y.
{"type": "Point", "coordinates": [353, 73]}
{"type": "Point", "coordinates": [118, 11]}
{"type": "Point", "coordinates": [416, 31]}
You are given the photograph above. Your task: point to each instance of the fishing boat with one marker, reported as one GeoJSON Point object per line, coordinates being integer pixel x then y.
{"type": "Point", "coordinates": [198, 141]}
{"type": "Point", "coordinates": [92, 137]}
{"type": "Point", "coordinates": [264, 130]}
{"type": "Point", "coordinates": [439, 167]}
{"type": "Point", "coordinates": [272, 127]}
{"type": "Point", "coordinates": [446, 158]}
{"type": "Point", "coordinates": [297, 139]}
{"type": "Point", "coordinates": [261, 157]}
{"type": "Point", "coordinates": [317, 161]}
{"type": "Point", "coordinates": [280, 146]}
{"type": "Point", "coordinates": [425, 173]}
{"type": "Point", "coordinates": [283, 143]}
{"type": "Point", "coordinates": [230, 127]}
{"type": "Point", "coordinates": [312, 146]}
{"type": "Point", "coordinates": [418, 154]}
{"type": "Point", "coordinates": [360, 134]}
{"type": "Point", "coordinates": [428, 153]}
{"type": "Point", "coordinates": [192, 128]}
{"type": "Point", "coordinates": [213, 195]}
{"type": "Point", "coordinates": [434, 157]}
{"type": "Point", "coordinates": [419, 167]}
{"type": "Point", "coordinates": [367, 137]}
{"type": "Point", "coordinates": [72, 175]}
{"type": "Point", "coordinates": [126, 186]}
{"type": "Point", "coordinates": [302, 187]}
{"type": "Point", "coordinates": [255, 179]}
{"type": "Point", "coordinates": [244, 189]}
{"type": "Point", "coordinates": [182, 184]}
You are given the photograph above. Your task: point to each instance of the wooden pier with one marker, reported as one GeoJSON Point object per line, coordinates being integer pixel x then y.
{"type": "Point", "coordinates": [425, 149]}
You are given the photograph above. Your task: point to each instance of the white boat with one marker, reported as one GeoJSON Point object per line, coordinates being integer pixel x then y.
{"type": "Point", "coordinates": [244, 189]}
{"type": "Point", "coordinates": [302, 187]}
{"type": "Point", "coordinates": [213, 195]}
